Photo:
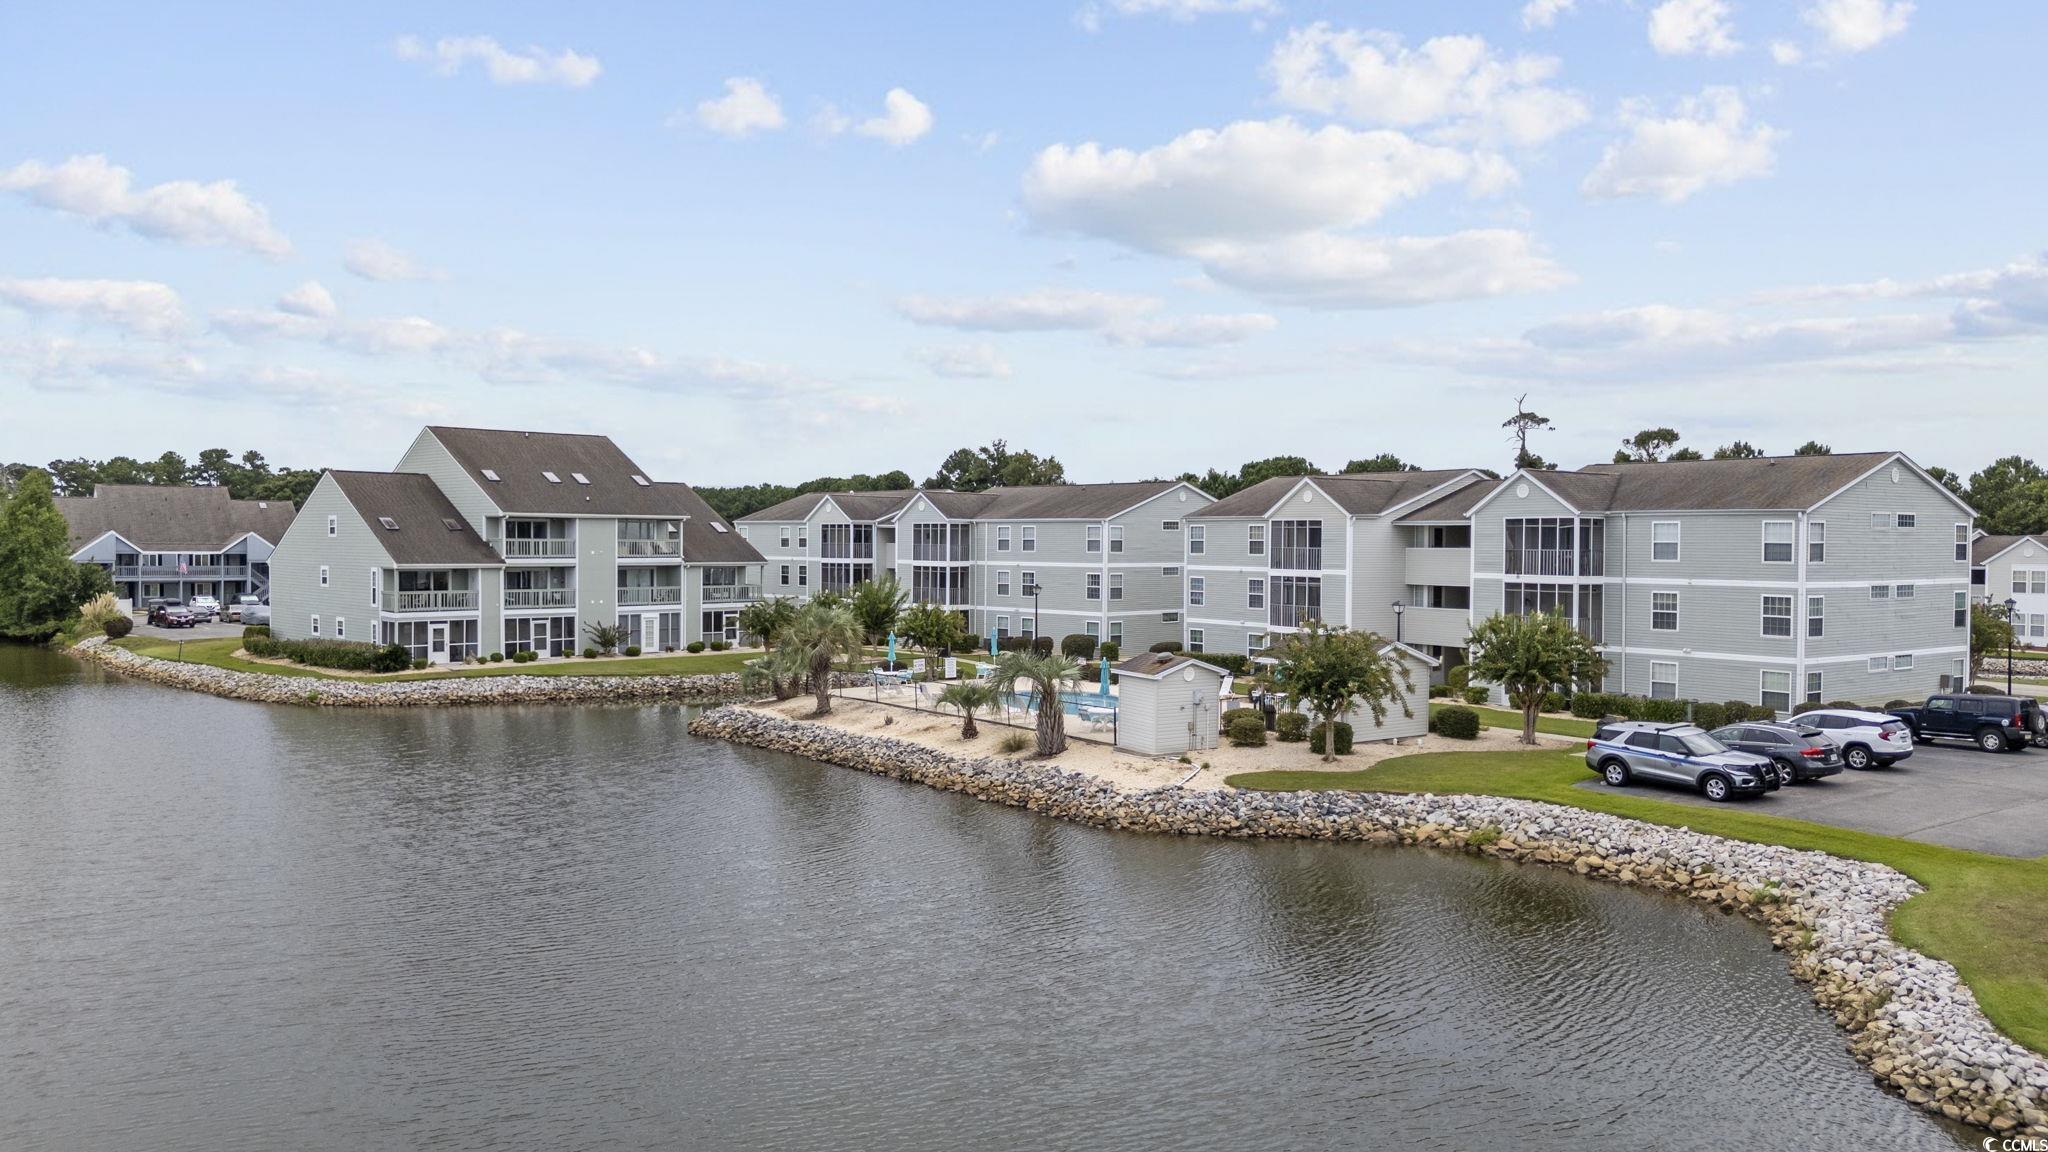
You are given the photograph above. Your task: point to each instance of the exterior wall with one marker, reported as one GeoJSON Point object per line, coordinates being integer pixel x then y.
{"type": "Point", "coordinates": [1398, 726]}
{"type": "Point", "coordinates": [1153, 715]}
{"type": "Point", "coordinates": [351, 556]}
{"type": "Point", "coordinates": [2030, 608]}
{"type": "Point", "coordinates": [597, 574]}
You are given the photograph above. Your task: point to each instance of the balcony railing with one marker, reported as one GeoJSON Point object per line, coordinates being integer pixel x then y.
{"type": "Point", "coordinates": [657, 594]}
{"type": "Point", "coordinates": [539, 597]}
{"type": "Point", "coordinates": [191, 572]}
{"type": "Point", "coordinates": [1297, 559]}
{"type": "Point", "coordinates": [730, 593]}
{"type": "Point", "coordinates": [1538, 562]}
{"type": "Point", "coordinates": [515, 549]}
{"type": "Point", "coordinates": [464, 600]}
{"type": "Point", "coordinates": [649, 548]}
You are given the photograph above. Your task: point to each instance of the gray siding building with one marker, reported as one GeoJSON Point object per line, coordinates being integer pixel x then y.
{"type": "Point", "coordinates": [2013, 569]}
{"type": "Point", "coordinates": [175, 543]}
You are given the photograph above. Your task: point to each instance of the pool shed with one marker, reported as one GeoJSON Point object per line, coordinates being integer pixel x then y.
{"type": "Point", "coordinates": [1167, 704]}
{"type": "Point", "coordinates": [1398, 726]}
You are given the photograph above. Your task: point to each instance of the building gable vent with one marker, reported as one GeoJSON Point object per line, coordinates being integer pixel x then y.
{"type": "Point", "coordinates": [389, 524]}
{"type": "Point", "coordinates": [490, 475]}
{"type": "Point", "coordinates": [552, 478]}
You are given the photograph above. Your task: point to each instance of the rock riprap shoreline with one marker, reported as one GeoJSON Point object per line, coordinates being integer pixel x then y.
{"type": "Point", "coordinates": [264, 688]}
{"type": "Point", "coordinates": [1909, 1018]}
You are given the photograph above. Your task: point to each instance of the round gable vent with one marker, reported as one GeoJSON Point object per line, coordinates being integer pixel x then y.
{"type": "Point", "coordinates": [1896, 473]}
{"type": "Point", "coordinates": [1521, 491]}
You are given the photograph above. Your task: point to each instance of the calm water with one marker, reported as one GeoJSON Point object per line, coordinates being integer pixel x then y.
{"type": "Point", "coordinates": [230, 926]}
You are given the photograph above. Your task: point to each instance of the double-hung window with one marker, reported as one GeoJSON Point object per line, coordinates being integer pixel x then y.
{"type": "Point", "coordinates": [1027, 538]}
{"type": "Point", "coordinates": [1116, 585]}
{"type": "Point", "coordinates": [1198, 591]}
{"type": "Point", "coordinates": [1817, 542]}
{"type": "Point", "coordinates": [1255, 593]}
{"type": "Point", "coordinates": [1002, 582]}
{"type": "Point", "coordinates": [1816, 616]}
{"type": "Point", "coordinates": [316, 625]}
{"type": "Point", "coordinates": [323, 575]}
{"type": "Point", "coordinates": [1962, 607]}
{"type": "Point", "coordinates": [1777, 619]}
{"type": "Point", "coordinates": [334, 525]}
{"type": "Point", "coordinates": [1663, 611]}
{"type": "Point", "coordinates": [1255, 540]}
{"type": "Point", "coordinates": [1194, 639]}
{"type": "Point", "coordinates": [1664, 540]}
{"type": "Point", "coordinates": [1095, 585]}
{"type": "Point", "coordinates": [803, 575]}
{"type": "Point", "coordinates": [1095, 538]}
{"type": "Point", "coordinates": [1775, 691]}
{"type": "Point", "coordinates": [1778, 541]}
{"type": "Point", "coordinates": [1198, 539]}
{"type": "Point", "coordinates": [783, 536]}
{"type": "Point", "coordinates": [1116, 537]}
{"type": "Point", "coordinates": [1962, 543]}
{"type": "Point", "coordinates": [1663, 680]}
{"type": "Point", "coordinates": [1027, 582]}
{"type": "Point", "coordinates": [1002, 537]}
{"type": "Point", "coordinates": [376, 584]}
{"type": "Point", "coordinates": [340, 628]}
{"type": "Point", "coordinates": [785, 575]}
{"type": "Point", "coordinates": [1813, 683]}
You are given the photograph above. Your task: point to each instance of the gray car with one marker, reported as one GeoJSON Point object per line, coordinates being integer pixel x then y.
{"type": "Point", "coordinates": [1683, 754]}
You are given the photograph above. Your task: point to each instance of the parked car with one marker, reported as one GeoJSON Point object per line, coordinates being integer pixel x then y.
{"type": "Point", "coordinates": [1798, 753]}
{"type": "Point", "coordinates": [1993, 723]}
{"type": "Point", "coordinates": [1865, 738]}
{"type": "Point", "coordinates": [204, 607]}
{"type": "Point", "coordinates": [255, 611]}
{"type": "Point", "coordinates": [171, 614]}
{"type": "Point", "coordinates": [1677, 754]}
{"type": "Point", "coordinates": [238, 608]}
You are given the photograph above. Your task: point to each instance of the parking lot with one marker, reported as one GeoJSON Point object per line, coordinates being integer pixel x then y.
{"type": "Point", "coordinates": [211, 630]}
{"type": "Point", "coordinates": [1946, 793]}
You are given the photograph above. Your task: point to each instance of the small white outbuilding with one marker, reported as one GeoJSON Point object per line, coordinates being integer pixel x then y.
{"type": "Point", "coordinates": [1399, 726]}
{"type": "Point", "coordinates": [1167, 703]}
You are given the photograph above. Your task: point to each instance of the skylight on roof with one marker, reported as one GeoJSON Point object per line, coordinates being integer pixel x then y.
{"type": "Point", "coordinates": [552, 478]}
{"type": "Point", "coordinates": [451, 524]}
{"type": "Point", "coordinates": [717, 527]}
{"type": "Point", "coordinates": [388, 523]}
{"type": "Point", "coordinates": [640, 480]}
{"type": "Point", "coordinates": [490, 475]}
{"type": "Point", "coordinates": [580, 477]}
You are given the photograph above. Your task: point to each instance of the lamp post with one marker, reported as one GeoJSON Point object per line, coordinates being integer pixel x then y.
{"type": "Point", "coordinates": [1031, 590]}
{"type": "Point", "coordinates": [1398, 609]}
{"type": "Point", "coordinates": [2011, 638]}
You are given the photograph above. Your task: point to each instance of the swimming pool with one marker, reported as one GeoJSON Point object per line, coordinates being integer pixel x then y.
{"type": "Point", "coordinates": [1070, 702]}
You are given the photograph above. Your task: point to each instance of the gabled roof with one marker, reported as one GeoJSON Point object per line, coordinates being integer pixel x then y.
{"type": "Point", "coordinates": [1767, 482]}
{"type": "Point", "coordinates": [857, 505]}
{"type": "Point", "coordinates": [414, 503]}
{"type": "Point", "coordinates": [171, 519]}
{"type": "Point", "coordinates": [521, 460]}
{"type": "Point", "coordinates": [1036, 502]}
{"type": "Point", "coordinates": [1160, 665]}
{"type": "Point", "coordinates": [1451, 507]}
{"type": "Point", "coordinates": [703, 543]}
{"type": "Point", "coordinates": [1416, 654]}
{"type": "Point", "coordinates": [1985, 549]}
{"type": "Point", "coordinates": [1360, 494]}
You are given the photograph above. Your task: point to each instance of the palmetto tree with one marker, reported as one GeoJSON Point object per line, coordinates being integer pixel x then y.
{"type": "Point", "coordinates": [768, 619]}
{"type": "Point", "coordinates": [967, 696]}
{"type": "Point", "coordinates": [877, 604]}
{"type": "Point", "coordinates": [1044, 674]}
{"type": "Point", "coordinates": [824, 634]}
{"type": "Point", "coordinates": [780, 671]}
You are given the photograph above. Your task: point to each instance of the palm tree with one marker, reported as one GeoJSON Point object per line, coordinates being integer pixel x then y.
{"type": "Point", "coordinates": [780, 671]}
{"type": "Point", "coordinates": [1044, 674]}
{"type": "Point", "coordinates": [823, 634]}
{"type": "Point", "coordinates": [768, 619]}
{"type": "Point", "coordinates": [877, 604]}
{"type": "Point", "coordinates": [967, 696]}
{"type": "Point", "coordinates": [930, 627]}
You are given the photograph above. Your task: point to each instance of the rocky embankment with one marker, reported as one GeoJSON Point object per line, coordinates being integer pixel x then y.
{"type": "Point", "coordinates": [458, 690]}
{"type": "Point", "coordinates": [1909, 1018]}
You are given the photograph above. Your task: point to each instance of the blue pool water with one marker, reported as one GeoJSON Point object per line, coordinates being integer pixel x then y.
{"type": "Point", "coordinates": [1070, 702]}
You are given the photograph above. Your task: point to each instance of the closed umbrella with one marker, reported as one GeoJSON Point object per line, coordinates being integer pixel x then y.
{"type": "Point", "coordinates": [892, 649]}
{"type": "Point", "coordinates": [991, 645]}
{"type": "Point", "coordinates": [1105, 679]}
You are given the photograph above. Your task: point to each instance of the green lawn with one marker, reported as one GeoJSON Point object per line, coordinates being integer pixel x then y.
{"type": "Point", "coordinates": [1981, 913]}
{"type": "Point", "coordinates": [1503, 718]}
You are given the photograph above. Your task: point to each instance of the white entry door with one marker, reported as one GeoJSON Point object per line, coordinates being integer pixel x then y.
{"type": "Point", "coordinates": [650, 632]}
{"type": "Point", "coordinates": [437, 643]}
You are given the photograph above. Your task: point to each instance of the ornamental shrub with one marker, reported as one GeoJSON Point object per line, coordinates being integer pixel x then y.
{"type": "Point", "coordinates": [525, 656]}
{"type": "Point", "coordinates": [255, 630]}
{"type": "Point", "coordinates": [1979, 689]}
{"type": "Point", "coordinates": [632, 649]}
{"type": "Point", "coordinates": [1291, 727]}
{"type": "Point", "coordinates": [1710, 715]}
{"type": "Point", "coordinates": [1315, 738]}
{"type": "Point", "coordinates": [1459, 678]}
{"type": "Point", "coordinates": [1165, 646]}
{"type": "Point", "coordinates": [719, 645]}
{"type": "Point", "coordinates": [1555, 702]}
{"type": "Point", "coordinates": [1112, 651]}
{"type": "Point", "coordinates": [1230, 714]}
{"type": "Point", "coordinates": [419, 664]}
{"type": "Point", "coordinates": [1235, 663]}
{"type": "Point", "coordinates": [117, 626]}
{"type": "Point", "coordinates": [1846, 705]}
{"type": "Point", "coordinates": [1078, 646]}
{"type": "Point", "coordinates": [695, 646]}
{"type": "Point", "coordinates": [1439, 691]}
{"type": "Point", "coordinates": [1247, 731]}
{"type": "Point", "coordinates": [1898, 704]}
{"type": "Point", "coordinates": [1475, 695]}
{"type": "Point", "coordinates": [343, 655]}
{"type": "Point", "coordinates": [1042, 646]}
{"type": "Point", "coordinates": [590, 653]}
{"type": "Point", "coordinates": [1456, 722]}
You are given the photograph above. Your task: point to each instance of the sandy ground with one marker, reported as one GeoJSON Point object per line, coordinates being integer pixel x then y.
{"type": "Point", "coordinates": [1125, 769]}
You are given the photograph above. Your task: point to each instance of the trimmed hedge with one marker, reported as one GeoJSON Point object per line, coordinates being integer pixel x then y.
{"type": "Point", "coordinates": [719, 645]}
{"type": "Point", "coordinates": [1165, 646]}
{"type": "Point", "coordinates": [694, 646]}
{"type": "Point", "coordinates": [1315, 738]}
{"type": "Point", "coordinates": [117, 626]}
{"type": "Point", "coordinates": [1705, 713]}
{"type": "Point", "coordinates": [632, 649]}
{"type": "Point", "coordinates": [1235, 663]}
{"type": "Point", "coordinates": [1041, 646]}
{"type": "Point", "coordinates": [1556, 702]}
{"type": "Point", "coordinates": [1844, 705]}
{"type": "Point", "coordinates": [341, 655]}
{"type": "Point", "coordinates": [1985, 689]}
{"type": "Point", "coordinates": [1439, 691]}
{"type": "Point", "coordinates": [1246, 732]}
{"type": "Point", "coordinates": [1231, 714]}
{"type": "Point", "coordinates": [1012, 644]}
{"type": "Point", "coordinates": [497, 657]}
{"type": "Point", "coordinates": [249, 630]}
{"type": "Point", "coordinates": [1475, 695]}
{"type": "Point", "coordinates": [1078, 646]}
{"type": "Point", "coordinates": [525, 656]}
{"type": "Point", "coordinates": [1292, 727]}
{"type": "Point", "coordinates": [1456, 722]}
{"type": "Point", "coordinates": [1112, 651]}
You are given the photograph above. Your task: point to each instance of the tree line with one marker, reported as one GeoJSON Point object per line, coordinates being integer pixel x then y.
{"type": "Point", "coordinates": [246, 477]}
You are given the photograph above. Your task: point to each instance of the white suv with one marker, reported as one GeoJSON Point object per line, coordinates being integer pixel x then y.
{"type": "Point", "coordinates": [1866, 738]}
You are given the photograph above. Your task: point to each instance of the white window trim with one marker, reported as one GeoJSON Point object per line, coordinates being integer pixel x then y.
{"type": "Point", "coordinates": [785, 575]}
{"type": "Point", "coordinates": [1255, 592]}
{"type": "Point", "coordinates": [316, 624]}
{"type": "Point", "coordinates": [1002, 626]}
{"type": "Point", "coordinates": [1198, 540]}
{"type": "Point", "coordinates": [1196, 639]}
{"type": "Point", "coordinates": [1899, 521]}
{"type": "Point", "coordinates": [1764, 542]}
{"type": "Point", "coordinates": [340, 628]}
{"type": "Point", "coordinates": [1198, 591]}
{"type": "Point", "coordinates": [1027, 538]}
{"type": "Point", "coordinates": [1116, 537]}
{"type": "Point", "coordinates": [1810, 618]}
{"type": "Point", "coordinates": [1027, 579]}
{"type": "Point", "coordinates": [1092, 542]}
{"type": "Point", "coordinates": [1255, 539]}
{"type": "Point", "coordinates": [1905, 591]}
{"type": "Point", "coordinates": [1907, 666]}
{"type": "Point", "coordinates": [1677, 609]}
{"type": "Point", "coordinates": [1116, 633]}
{"type": "Point", "coordinates": [1116, 585]}
{"type": "Point", "coordinates": [1880, 521]}
{"type": "Point", "coordinates": [1962, 605]}
{"type": "Point", "coordinates": [1876, 664]}
{"type": "Point", "coordinates": [1093, 587]}
{"type": "Point", "coordinates": [1678, 545]}
{"type": "Point", "coordinates": [323, 576]}
{"type": "Point", "coordinates": [1791, 615]}
{"type": "Point", "coordinates": [784, 537]}
{"type": "Point", "coordinates": [1823, 541]}
{"type": "Point", "coordinates": [1962, 543]}
{"type": "Point", "coordinates": [1093, 628]}
{"type": "Point", "coordinates": [1763, 676]}
{"type": "Point", "coordinates": [1676, 693]}
{"type": "Point", "coordinates": [1169, 525]}
{"type": "Point", "coordinates": [334, 525]}
{"type": "Point", "coordinates": [1002, 537]}
{"type": "Point", "coordinates": [1880, 591]}
{"type": "Point", "coordinates": [1816, 687]}
{"type": "Point", "coordinates": [1002, 581]}
{"type": "Point", "coordinates": [376, 585]}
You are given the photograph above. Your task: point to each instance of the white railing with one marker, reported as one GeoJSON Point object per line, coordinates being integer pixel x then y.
{"type": "Point", "coordinates": [515, 549]}
{"type": "Point", "coordinates": [1538, 562]}
{"type": "Point", "coordinates": [729, 593]}
{"type": "Point", "coordinates": [649, 548]}
{"type": "Point", "coordinates": [538, 597]}
{"type": "Point", "coordinates": [659, 594]}
{"type": "Point", "coordinates": [191, 572]}
{"type": "Point", "coordinates": [457, 601]}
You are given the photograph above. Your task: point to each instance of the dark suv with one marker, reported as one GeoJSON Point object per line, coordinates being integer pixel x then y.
{"type": "Point", "coordinates": [1993, 723]}
{"type": "Point", "coordinates": [1800, 753]}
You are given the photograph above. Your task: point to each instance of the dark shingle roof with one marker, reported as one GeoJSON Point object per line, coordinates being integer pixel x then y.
{"type": "Point", "coordinates": [1769, 482]}
{"type": "Point", "coordinates": [168, 519]}
{"type": "Point", "coordinates": [416, 504]}
{"type": "Point", "coordinates": [703, 543]}
{"type": "Point", "coordinates": [1153, 665]}
{"type": "Point", "coordinates": [1362, 494]}
{"type": "Point", "coordinates": [520, 458]}
{"type": "Point", "coordinates": [858, 505]}
{"type": "Point", "coordinates": [1983, 548]}
{"type": "Point", "coordinates": [1452, 505]}
{"type": "Point", "coordinates": [1038, 502]}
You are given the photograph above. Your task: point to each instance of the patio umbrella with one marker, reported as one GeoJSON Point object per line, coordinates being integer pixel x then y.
{"type": "Point", "coordinates": [991, 645]}
{"type": "Point", "coordinates": [1105, 679]}
{"type": "Point", "coordinates": [892, 649]}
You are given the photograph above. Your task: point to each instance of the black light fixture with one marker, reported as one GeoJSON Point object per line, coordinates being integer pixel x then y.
{"type": "Point", "coordinates": [1398, 609]}
{"type": "Point", "coordinates": [2012, 632]}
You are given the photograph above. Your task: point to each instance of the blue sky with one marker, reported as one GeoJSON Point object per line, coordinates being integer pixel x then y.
{"type": "Point", "coordinates": [757, 242]}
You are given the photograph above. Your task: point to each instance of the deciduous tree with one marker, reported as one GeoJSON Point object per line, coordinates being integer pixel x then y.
{"type": "Point", "coordinates": [1530, 656]}
{"type": "Point", "coordinates": [1334, 670]}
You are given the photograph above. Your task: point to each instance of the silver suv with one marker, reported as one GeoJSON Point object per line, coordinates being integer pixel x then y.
{"type": "Point", "coordinates": [1677, 754]}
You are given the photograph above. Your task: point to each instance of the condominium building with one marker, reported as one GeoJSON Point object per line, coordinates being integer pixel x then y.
{"type": "Point", "coordinates": [1782, 581]}
{"type": "Point", "coordinates": [2013, 568]}
{"type": "Point", "coordinates": [1342, 550]}
{"type": "Point", "coordinates": [175, 543]}
{"type": "Point", "coordinates": [1102, 560]}
{"type": "Point", "coordinates": [484, 541]}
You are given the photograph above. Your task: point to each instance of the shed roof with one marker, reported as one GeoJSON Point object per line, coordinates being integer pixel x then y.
{"type": "Point", "coordinates": [1159, 665]}
{"type": "Point", "coordinates": [171, 519]}
{"type": "Point", "coordinates": [422, 517]}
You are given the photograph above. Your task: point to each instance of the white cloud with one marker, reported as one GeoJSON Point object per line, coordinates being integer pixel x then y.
{"type": "Point", "coordinates": [1327, 270]}
{"type": "Point", "coordinates": [964, 361]}
{"type": "Point", "coordinates": [1181, 11]}
{"type": "Point", "coordinates": [1057, 309]}
{"type": "Point", "coordinates": [143, 306]}
{"type": "Point", "coordinates": [1707, 141]}
{"type": "Point", "coordinates": [1455, 85]}
{"type": "Point", "coordinates": [309, 299]}
{"type": "Point", "coordinates": [183, 211]}
{"type": "Point", "coordinates": [376, 260]}
{"type": "Point", "coordinates": [904, 119]}
{"type": "Point", "coordinates": [450, 54]}
{"type": "Point", "coordinates": [746, 108]}
{"type": "Point", "coordinates": [1856, 25]}
{"type": "Point", "coordinates": [1203, 331]}
{"type": "Point", "coordinates": [1544, 13]}
{"type": "Point", "coordinates": [1787, 53]}
{"type": "Point", "coordinates": [73, 366]}
{"type": "Point", "coordinates": [1692, 28]}
{"type": "Point", "coordinates": [371, 336]}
